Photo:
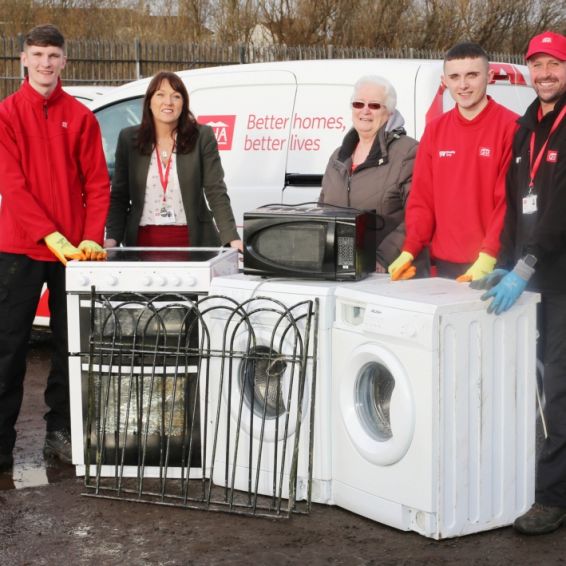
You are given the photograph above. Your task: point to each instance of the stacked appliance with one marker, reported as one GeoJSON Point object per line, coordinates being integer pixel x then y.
{"type": "Point", "coordinates": [433, 406]}
{"type": "Point", "coordinates": [133, 382]}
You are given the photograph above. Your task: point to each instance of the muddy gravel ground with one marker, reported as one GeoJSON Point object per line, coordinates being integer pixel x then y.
{"type": "Point", "coordinates": [45, 520]}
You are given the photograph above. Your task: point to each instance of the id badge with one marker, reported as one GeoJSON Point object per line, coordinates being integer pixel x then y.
{"type": "Point", "coordinates": [164, 215]}
{"type": "Point", "coordinates": [529, 204]}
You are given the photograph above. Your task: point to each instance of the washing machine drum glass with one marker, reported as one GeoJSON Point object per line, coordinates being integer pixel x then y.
{"type": "Point", "coordinates": [373, 390]}
{"type": "Point", "coordinates": [261, 376]}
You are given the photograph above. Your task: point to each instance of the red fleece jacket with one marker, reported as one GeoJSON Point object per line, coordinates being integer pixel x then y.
{"type": "Point", "coordinates": [457, 199]}
{"type": "Point", "coordinates": [53, 174]}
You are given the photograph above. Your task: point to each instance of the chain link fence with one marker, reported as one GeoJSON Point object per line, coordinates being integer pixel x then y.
{"type": "Point", "coordinates": [113, 62]}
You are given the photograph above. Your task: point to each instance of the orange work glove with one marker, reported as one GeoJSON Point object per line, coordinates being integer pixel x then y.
{"type": "Point", "coordinates": [402, 267]}
{"type": "Point", "coordinates": [61, 248]}
{"type": "Point", "coordinates": [92, 251]}
{"type": "Point", "coordinates": [481, 267]}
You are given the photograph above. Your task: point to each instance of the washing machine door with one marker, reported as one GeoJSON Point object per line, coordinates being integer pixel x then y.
{"type": "Point", "coordinates": [267, 384]}
{"type": "Point", "coordinates": [377, 405]}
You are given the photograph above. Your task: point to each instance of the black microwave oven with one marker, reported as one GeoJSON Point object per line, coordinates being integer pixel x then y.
{"type": "Point", "coordinates": [309, 241]}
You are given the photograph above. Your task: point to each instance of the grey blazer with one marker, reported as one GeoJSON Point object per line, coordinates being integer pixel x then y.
{"type": "Point", "coordinates": [203, 191]}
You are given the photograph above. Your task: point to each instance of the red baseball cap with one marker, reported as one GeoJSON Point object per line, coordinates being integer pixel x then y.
{"type": "Point", "coordinates": [548, 42]}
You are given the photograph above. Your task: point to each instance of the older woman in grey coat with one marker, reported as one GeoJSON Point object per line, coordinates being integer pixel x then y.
{"type": "Point", "coordinates": [373, 167]}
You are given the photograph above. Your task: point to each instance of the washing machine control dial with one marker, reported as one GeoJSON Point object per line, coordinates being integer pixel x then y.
{"type": "Point", "coordinates": [408, 330]}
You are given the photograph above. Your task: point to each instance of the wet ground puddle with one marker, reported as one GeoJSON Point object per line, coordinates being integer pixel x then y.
{"type": "Point", "coordinates": [25, 475]}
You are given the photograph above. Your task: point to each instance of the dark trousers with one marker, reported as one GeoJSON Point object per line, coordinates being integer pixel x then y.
{"type": "Point", "coordinates": [551, 470]}
{"type": "Point", "coordinates": [21, 281]}
{"type": "Point", "coordinates": [450, 269]}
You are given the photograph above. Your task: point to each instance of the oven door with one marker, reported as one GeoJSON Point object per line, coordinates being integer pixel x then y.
{"type": "Point", "coordinates": [134, 383]}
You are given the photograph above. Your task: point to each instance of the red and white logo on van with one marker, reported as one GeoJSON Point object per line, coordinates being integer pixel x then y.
{"type": "Point", "coordinates": [552, 156]}
{"type": "Point", "coordinates": [223, 126]}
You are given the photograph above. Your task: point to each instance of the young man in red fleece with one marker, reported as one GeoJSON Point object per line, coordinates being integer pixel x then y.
{"type": "Point", "coordinates": [457, 200]}
{"type": "Point", "coordinates": [55, 196]}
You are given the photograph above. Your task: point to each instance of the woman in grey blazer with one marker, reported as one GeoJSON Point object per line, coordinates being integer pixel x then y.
{"type": "Point", "coordinates": [168, 187]}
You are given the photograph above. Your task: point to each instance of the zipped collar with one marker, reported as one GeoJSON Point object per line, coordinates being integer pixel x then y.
{"type": "Point", "coordinates": [35, 97]}
{"type": "Point", "coordinates": [378, 152]}
{"type": "Point", "coordinates": [530, 119]}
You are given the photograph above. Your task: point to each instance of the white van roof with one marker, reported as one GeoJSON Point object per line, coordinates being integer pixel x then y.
{"type": "Point", "coordinates": [323, 71]}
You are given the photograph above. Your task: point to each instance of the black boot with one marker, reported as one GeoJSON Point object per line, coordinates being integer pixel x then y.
{"type": "Point", "coordinates": [58, 445]}
{"type": "Point", "coordinates": [540, 519]}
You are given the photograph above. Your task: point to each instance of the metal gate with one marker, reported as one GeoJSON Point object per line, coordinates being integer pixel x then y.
{"type": "Point", "coordinates": [201, 403]}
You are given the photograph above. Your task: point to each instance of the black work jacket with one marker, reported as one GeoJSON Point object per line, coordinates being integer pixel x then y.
{"type": "Point", "coordinates": [541, 233]}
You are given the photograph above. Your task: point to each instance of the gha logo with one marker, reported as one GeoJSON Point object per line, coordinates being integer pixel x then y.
{"type": "Point", "coordinates": [223, 126]}
{"type": "Point", "coordinates": [552, 156]}
{"type": "Point", "coordinates": [485, 151]}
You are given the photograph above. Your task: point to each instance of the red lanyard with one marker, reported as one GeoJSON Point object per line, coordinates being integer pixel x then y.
{"type": "Point", "coordinates": [534, 166]}
{"type": "Point", "coordinates": [164, 178]}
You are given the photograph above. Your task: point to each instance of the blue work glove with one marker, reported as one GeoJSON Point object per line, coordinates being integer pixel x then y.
{"type": "Point", "coordinates": [509, 289]}
{"type": "Point", "coordinates": [489, 280]}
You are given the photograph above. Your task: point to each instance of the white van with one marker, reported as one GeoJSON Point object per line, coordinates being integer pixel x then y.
{"type": "Point", "coordinates": [87, 93]}
{"type": "Point", "coordinates": [277, 123]}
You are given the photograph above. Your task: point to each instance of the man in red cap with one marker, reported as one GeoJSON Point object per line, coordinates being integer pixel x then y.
{"type": "Point", "coordinates": [533, 256]}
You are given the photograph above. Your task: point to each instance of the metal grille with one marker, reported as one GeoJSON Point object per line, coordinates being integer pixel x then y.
{"type": "Point", "coordinates": [200, 403]}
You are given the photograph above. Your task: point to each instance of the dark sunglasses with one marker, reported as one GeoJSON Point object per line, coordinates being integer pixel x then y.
{"type": "Point", "coordinates": [358, 105]}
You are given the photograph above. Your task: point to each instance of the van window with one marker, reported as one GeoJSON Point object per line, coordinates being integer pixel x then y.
{"type": "Point", "coordinates": [112, 120]}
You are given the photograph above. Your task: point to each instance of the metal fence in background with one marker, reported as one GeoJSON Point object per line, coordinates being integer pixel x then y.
{"type": "Point", "coordinates": [116, 62]}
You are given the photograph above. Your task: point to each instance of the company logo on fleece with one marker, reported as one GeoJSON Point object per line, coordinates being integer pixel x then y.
{"type": "Point", "coordinates": [223, 126]}
{"type": "Point", "coordinates": [485, 152]}
{"type": "Point", "coordinates": [447, 153]}
{"type": "Point", "coordinates": [552, 156]}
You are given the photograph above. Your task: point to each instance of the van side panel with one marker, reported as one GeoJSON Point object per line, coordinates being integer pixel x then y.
{"type": "Point", "coordinates": [251, 114]}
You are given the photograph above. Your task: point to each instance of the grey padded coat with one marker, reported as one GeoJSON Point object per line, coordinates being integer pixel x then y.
{"type": "Point", "coordinates": [381, 183]}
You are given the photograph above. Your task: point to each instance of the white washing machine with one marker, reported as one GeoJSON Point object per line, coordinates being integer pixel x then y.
{"type": "Point", "coordinates": [433, 406]}
{"type": "Point", "coordinates": [260, 449]}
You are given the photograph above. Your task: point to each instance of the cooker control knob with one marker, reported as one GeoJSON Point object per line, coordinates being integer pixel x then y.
{"type": "Point", "coordinates": [160, 280]}
{"type": "Point", "coordinates": [190, 281]}
{"type": "Point", "coordinates": [146, 281]}
{"type": "Point", "coordinates": [84, 280]}
{"type": "Point", "coordinates": [175, 280]}
{"type": "Point", "coordinates": [112, 280]}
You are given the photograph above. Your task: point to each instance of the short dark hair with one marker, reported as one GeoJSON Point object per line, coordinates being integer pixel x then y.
{"type": "Point", "coordinates": [187, 128]}
{"type": "Point", "coordinates": [466, 50]}
{"type": "Point", "coordinates": [45, 35]}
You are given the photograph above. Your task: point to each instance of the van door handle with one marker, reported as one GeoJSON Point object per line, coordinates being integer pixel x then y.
{"type": "Point", "coordinates": [302, 180]}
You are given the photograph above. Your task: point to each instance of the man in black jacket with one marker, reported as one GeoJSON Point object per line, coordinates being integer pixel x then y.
{"type": "Point", "coordinates": [533, 256]}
